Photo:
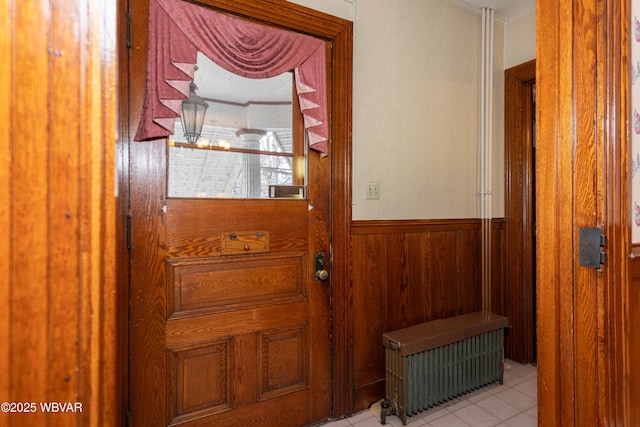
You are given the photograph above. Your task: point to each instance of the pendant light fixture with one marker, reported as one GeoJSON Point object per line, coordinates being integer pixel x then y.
{"type": "Point", "coordinates": [193, 112]}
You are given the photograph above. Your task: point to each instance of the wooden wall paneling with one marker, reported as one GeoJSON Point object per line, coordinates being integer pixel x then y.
{"type": "Point", "coordinates": [413, 278]}
{"type": "Point", "coordinates": [369, 314]}
{"type": "Point", "coordinates": [587, 210]}
{"type": "Point", "coordinates": [98, 208]}
{"type": "Point", "coordinates": [576, 185]}
{"type": "Point", "coordinates": [619, 319]}
{"type": "Point", "coordinates": [396, 282]}
{"type": "Point", "coordinates": [405, 273]}
{"type": "Point", "coordinates": [554, 218]}
{"type": "Point", "coordinates": [443, 281]}
{"type": "Point", "coordinates": [469, 272]}
{"type": "Point", "coordinates": [64, 254]}
{"type": "Point", "coordinates": [57, 208]}
{"type": "Point", "coordinates": [498, 282]}
{"type": "Point", "coordinates": [6, 203]}
{"type": "Point", "coordinates": [30, 286]}
{"type": "Point", "coordinates": [107, 342]}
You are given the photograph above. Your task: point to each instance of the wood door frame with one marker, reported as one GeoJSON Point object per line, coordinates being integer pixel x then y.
{"type": "Point", "coordinates": [582, 181]}
{"type": "Point", "coordinates": [519, 211]}
{"type": "Point", "coordinates": [339, 34]}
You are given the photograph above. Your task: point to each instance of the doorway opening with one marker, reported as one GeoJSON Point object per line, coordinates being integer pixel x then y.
{"type": "Point", "coordinates": [176, 247]}
{"type": "Point", "coordinates": [520, 292]}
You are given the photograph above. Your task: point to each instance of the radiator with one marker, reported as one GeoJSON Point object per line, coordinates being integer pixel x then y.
{"type": "Point", "coordinates": [433, 362]}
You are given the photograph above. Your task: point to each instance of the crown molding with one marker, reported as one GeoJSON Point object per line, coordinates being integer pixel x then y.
{"type": "Point", "coordinates": [502, 14]}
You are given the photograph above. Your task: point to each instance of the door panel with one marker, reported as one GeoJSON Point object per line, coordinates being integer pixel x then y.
{"type": "Point", "coordinates": [244, 335]}
{"type": "Point", "coordinates": [242, 331]}
{"type": "Point", "coordinates": [217, 285]}
{"type": "Point", "coordinates": [239, 327]}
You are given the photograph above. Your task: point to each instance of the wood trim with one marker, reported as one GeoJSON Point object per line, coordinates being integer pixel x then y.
{"type": "Point", "coordinates": [582, 165]}
{"type": "Point", "coordinates": [412, 226]}
{"type": "Point", "coordinates": [556, 382]}
{"type": "Point", "coordinates": [57, 247]}
{"type": "Point", "coordinates": [618, 397]}
{"type": "Point", "coordinates": [519, 211]}
{"type": "Point", "coordinates": [283, 14]}
{"type": "Point", "coordinates": [122, 201]}
{"type": "Point", "coordinates": [341, 165]}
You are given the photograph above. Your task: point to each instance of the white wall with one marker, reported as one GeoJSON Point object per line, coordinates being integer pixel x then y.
{"type": "Point", "coordinates": [520, 40]}
{"type": "Point", "coordinates": [416, 99]}
{"type": "Point", "coordinates": [415, 109]}
{"type": "Point", "coordinates": [498, 121]}
{"type": "Point", "coordinates": [339, 8]}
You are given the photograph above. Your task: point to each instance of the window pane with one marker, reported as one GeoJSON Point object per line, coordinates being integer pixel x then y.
{"type": "Point", "coordinates": [247, 148]}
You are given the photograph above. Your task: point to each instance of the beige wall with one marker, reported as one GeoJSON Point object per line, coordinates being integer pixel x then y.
{"type": "Point", "coordinates": [520, 40]}
{"type": "Point", "coordinates": [416, 100]}
{"type": "Point", "coordinates": [340, 8]}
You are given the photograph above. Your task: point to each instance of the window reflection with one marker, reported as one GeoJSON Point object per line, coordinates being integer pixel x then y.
{"type": "Point", "coordinates": [248, 147]}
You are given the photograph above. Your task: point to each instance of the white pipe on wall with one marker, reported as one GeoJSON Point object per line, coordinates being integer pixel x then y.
{"type": "Point", "coordinates": [486, 150]}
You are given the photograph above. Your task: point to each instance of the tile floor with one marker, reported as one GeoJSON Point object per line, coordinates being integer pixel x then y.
{"type": "Point", "coordinates": [512, 404]}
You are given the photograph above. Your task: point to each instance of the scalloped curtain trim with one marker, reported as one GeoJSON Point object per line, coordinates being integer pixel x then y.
{"type": "Point", "coordinates": [178, 30]}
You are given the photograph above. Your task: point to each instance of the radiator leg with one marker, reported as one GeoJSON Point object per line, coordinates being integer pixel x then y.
{"type": "Point", "coordinates": [388, 408]}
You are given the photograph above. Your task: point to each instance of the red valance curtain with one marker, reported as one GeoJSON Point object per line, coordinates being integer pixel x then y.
{"type": "Point", "coordinates": [178, 30]}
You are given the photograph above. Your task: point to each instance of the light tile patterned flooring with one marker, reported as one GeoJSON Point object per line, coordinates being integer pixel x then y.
{"type": "Point", "coordinates": [512, 404]}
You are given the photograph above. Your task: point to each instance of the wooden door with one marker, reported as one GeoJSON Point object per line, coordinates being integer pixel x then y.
{"type": "Point", "coordinates": [247, 326]}
{"type": "Point", "coordinates": [228, 325]}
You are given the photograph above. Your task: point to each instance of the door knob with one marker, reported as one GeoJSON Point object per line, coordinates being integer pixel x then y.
{"type": "Point", "coordinates": [321, 272]}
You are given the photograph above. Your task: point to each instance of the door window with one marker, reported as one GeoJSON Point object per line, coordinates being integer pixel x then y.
{"type": "Point", "coordinates": [250, 145]}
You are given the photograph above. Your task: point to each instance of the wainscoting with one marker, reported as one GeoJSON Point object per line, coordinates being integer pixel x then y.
{"type": "Point", "coordinates": [407, 272]}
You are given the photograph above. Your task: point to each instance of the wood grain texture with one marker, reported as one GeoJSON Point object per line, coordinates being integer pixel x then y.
{"type": "Point", "coordinates": [587, 209]}
{"type": "Point", "coordinates": [553, 85]}
{"type": "Point", "coordinates": [618, 315]}
{"type": "Point", "coordinates": [581, 182]}
{"type": "Point", "coordinates": [519, 211]}
{"type": "Point", "coordinates": [6, 201]}
{"type": "Point", "coordinates": [121, 215]}
{"type": "Point", "coordinates": [210, 285]}
{"type": "Point", "coordinates": [57, 201]}
{"type": "Point", "coordinates": [147, 285]}
{"type": "Point", "coordinates": [203, 239]}
{"type": "Point", "coordinates": [284, 14]}
{"type": "Point", "coordinates": [203, 379]}
{"type": "Point", "coordinates": [498, 267]}
{"type": "Point", "coordinates": [30, 288]}
{"type": "Point", "coordinates": [410, 272]}
{"type": "Point", "coordinates": [65, 213]}
{"type": "Point", "coordinates": [341, 96]}
{"type": "Point", "coordinates": [268, 298]}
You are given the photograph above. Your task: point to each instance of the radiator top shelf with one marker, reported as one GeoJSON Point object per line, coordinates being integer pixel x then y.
{"type": "Point", "coordinates": [436, 333]}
